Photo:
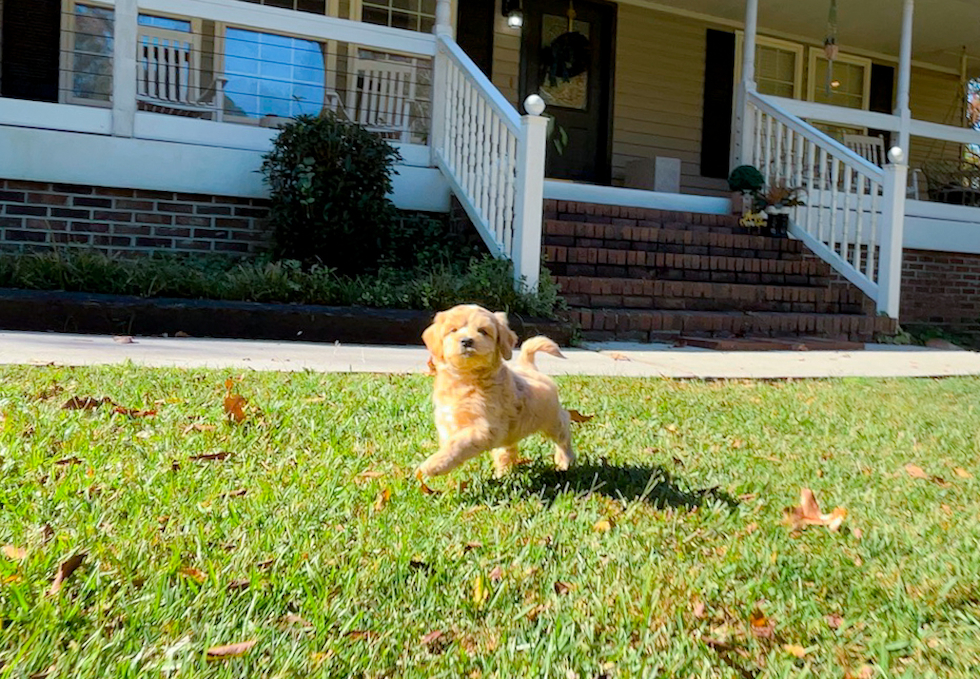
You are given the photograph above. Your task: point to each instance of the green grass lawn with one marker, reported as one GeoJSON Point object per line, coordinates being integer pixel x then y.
{"type": "Point", "coordinates": [653, 557]}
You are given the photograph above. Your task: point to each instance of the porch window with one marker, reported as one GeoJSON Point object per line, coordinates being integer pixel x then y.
{"type": "Point", "coordinates": [311, 6]}
{"type": "Point", "coordinates": [88, 76]}
{"type": "Point", "coordinates": [413, 15]}
{"type": "Point", "coordinates": [272, 74]}
{"type": "Point", "coordinates": [778, 66]}
{"type": "Point", "coordinates": [850, 80]}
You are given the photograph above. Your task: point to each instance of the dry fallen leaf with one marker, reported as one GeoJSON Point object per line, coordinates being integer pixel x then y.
{"type": "Point", "coordinates": [14, 553]}
{"type": "Point", "coordinates": [238, 585]}
{"type": "Point", "coordinates": [962, 473]}
{"type": "Point", "coordinates": [808, 513]}
{"type": "Point", "coordinates": [857, 533]}
{"type": "Point", "coordinates": [361, 634]}
{"type": "Point", "coordinates": [496, 575]}
{"type": "Point", "coordinates": [197, 426]}
{"type": "Point", "coordinates": [296, 621]}
{"type": "Point", "coordinates": [68, 460]}
{"type": "Point", "coordinates": [916, 471]}
{"type": "Point", "coordinates": [602, 526]}
{"type": "Point", "coordinates": [480, 592]}
{"type": "Point", "coordinates": [238, 492]}
{"type": "Point", "coordinates": [371, 474]}
{"type": "Point", "coordinates": [194, 574]}
{"type": "Point", "coordinates": [472, 545]}
{"type": "Point", "coordinates": [382, 500]}
{"type": "Point", "coordinates": [85, 403]}
{"type": "Point", "coordinates": [233, 407]}
{"type": "Point", "coordinates": [563, 587]}
{"type": "Point", "coordinates": [47, 532]}
{"type": "Point", "coordinates": [834, 621]}
{"type": "Point", "coordinates": [211, 457]}
{"type": "Point", "coordinates": [761, 626]}
{"type": "Point", "coordinates": [576, 416]}
{"type": "Point", "coordinates": [181, 333]}
{"type": "Point", "coordinates": [430, 637]}
{"type": "Point", "coordinates": [65, 570]}
{"type": "Point", "coordinates": [43, 674]}
{"type": "Point", "coordinates": [699, 610]}
{"type": "Point", "coordinates": [134, 412]}
{"type": "Point", "coordinates": [230, 650]}
{"type": "Point", "coordinates": [794, 649]}
{"type": "Point", "coordinates": [123, 339]}
{"type": "Point", "coordinates": [616, 356]}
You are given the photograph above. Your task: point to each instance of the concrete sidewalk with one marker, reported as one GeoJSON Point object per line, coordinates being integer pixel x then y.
{"type": "Point", "coordinates": [624, 359]}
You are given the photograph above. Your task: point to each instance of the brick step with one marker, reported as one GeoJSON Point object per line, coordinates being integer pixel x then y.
{"type": "Point", "coordinates": [633, 216]}
{"type": "Point", "coordinates": [609, 263]}
{"type": "Point", "coordinates": [657, 325]}
{"type": "Point", "coordinates": [626, 293]}
{"type": "Point", "coordinates": [662, 239]}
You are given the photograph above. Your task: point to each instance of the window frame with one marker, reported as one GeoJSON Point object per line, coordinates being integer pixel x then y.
{"type": "Point", "coordinates": [811, 87]}
{"type": "Point", "coordinates": [762, 40]}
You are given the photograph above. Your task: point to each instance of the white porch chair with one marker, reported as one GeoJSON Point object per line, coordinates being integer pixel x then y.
{"type": "Point", "coordinates": [872, 149]}
{"type": "Point", "coordinates": [168, 73]}
{"type": "Point", "coordinates": [381, 95]}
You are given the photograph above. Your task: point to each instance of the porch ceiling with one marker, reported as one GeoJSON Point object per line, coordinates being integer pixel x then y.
{"type": "Point", "coordinates": [942, 27]}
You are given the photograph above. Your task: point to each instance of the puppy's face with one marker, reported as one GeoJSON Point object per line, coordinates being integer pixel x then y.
{"type": "Point", "coordinates": [470, 338]}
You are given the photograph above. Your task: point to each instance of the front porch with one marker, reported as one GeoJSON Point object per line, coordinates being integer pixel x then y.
{"type": "Point", "coordinates": [198, 103]}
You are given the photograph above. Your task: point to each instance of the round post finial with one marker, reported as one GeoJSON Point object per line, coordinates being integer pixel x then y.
{"type": "Point", "coordinates": [534, 105]}
{"type": "Point", "coordinates": [896, 155]}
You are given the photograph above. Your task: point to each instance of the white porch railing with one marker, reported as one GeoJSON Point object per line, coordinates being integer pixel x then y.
{"type": "Point", "coordinates": [853, 212]}
{"type": "Point", "coordinates": [492, 157]}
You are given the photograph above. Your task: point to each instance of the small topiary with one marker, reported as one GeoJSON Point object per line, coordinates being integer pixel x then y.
{"type": "Point", "coordinates": [746, 178]}
{"type": "Point", "coordinates": [329, 182]}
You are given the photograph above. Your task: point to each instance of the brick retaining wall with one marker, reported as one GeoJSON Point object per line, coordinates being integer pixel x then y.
{"type": "Point", "coordinates": [35, 215]}
{"type": "Point", "coordinates": [941, 289]}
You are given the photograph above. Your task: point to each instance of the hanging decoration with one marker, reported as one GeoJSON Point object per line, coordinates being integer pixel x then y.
{"type": "Point", "coordinates": [830, 44]}
{"type": "Point", "coordinates": [568, 55]}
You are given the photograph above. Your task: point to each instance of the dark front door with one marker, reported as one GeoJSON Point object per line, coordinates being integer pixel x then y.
{"type": "Point", "coordinates": [567, 58]}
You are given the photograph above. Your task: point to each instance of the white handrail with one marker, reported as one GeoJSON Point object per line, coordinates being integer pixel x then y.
{"type": "Point", "coordinates": [849, 212]}
{"type": "Point", "coordinates": [492, 157]}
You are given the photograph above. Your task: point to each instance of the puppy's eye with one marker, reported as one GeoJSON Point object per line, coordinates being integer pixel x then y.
{"type": "Point", "coordinates": [452, 330]}
{"type": "Point", "coordinates": [483, 331]}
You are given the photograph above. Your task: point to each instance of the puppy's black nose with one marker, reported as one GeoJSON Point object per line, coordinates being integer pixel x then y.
{"type": "Point", "coordinates": [467, 342]}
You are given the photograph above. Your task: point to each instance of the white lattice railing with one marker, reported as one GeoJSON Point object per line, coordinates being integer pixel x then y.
{"type": "Point", "coordinates": [853, 209]}
{"type": "Point", "coordinates": [492, 157]}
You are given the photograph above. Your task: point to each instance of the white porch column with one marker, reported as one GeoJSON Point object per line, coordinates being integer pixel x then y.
{"type": "Point", "coordinates": [444, 24]}
{"type": "Point", "coordinates": [902, 109]}
{"type": "Point", "coordinates": [740, 130]}
{"type": "Point", "coordinates": [529, 201]}
{"type": "Point", "coordinates": [893, 224]}
{"type": "Point", "coordinates": [124, 39]}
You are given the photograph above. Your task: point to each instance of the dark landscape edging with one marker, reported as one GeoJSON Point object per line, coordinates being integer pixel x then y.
{"type": "Point", "coordinates": [96, 314]}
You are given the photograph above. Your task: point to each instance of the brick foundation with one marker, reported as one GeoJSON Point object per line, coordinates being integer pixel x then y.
{"type": "Point", "coordinates": [36, 215]}
{"type": "Point", "coordinates": [941, 289]}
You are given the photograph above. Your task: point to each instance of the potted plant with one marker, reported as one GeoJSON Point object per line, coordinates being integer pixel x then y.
{"type": "Point", "coordinates": [744, 182]}
{"type": "Point", "coordinates": [776, 202]}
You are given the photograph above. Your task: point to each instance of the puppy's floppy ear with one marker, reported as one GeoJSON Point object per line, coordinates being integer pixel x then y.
{"type": "Point", "coordinates": [433, 336]}
{"type": "Point", "coordinates": [506, 338]}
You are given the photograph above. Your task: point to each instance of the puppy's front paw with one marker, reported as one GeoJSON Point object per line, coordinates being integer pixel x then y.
{"type": "Point", "coordinates": [425, 489]}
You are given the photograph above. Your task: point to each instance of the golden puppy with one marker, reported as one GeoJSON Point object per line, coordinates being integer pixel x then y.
{"type": "Point", "coordinates": [483, 404]}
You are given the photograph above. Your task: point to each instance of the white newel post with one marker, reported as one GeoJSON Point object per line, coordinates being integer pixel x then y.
{"type": "Point", "coordinates": [893, 224]}
{"type": "Point", "coordinates": [124, 40]}
{"type": "Point", "coordinates": [529, 201]}
{"type": "Point", "coordinates": [440, 77]}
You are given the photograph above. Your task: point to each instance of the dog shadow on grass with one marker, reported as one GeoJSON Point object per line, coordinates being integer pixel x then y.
{"type": "Point", "coordinates": [651, 484]}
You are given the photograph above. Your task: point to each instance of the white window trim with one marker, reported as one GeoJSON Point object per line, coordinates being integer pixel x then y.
{"type": "Point", "coordinates": [356, 8]}
{"type": "Point", "coordinates": [766, 41]}
{"type": "Point", "coordinates": [811, 86]}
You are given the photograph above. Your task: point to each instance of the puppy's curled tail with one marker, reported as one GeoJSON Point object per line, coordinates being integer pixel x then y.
{"type": "Point", "coordinates": [533, 346]}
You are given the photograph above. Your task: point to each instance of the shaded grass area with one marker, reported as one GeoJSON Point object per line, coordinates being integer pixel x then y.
{"type": "Point", "coordinates": [647, 559]}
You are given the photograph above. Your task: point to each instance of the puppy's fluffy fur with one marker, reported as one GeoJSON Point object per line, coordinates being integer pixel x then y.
{"type": "Point", "coordinates": [483, 404]}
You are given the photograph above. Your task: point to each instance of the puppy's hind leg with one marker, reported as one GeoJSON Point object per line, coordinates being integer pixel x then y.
{"type": "Point", "coordinates": [561, 434]}
{"type": "Point", "coordinates": [504, 460]}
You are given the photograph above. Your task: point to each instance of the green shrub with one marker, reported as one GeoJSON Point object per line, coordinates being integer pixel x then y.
{"type": "Point", "coordinates": [746, 178]}
{"type": "Point", "coordinates": [485, 281]}
{"type": "Point", "coordinates": [329, 181]}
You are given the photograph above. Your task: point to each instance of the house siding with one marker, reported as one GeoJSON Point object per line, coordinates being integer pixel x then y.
{"type": "Point", "coordinates": [659, 90]}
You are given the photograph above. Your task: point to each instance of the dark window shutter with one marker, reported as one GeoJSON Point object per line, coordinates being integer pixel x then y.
{"type": "Point", "coordinates": [30, 49]}
{"type": "Point", "coordinates": [716, 130]}
{"type": "Point", "coordinates": [474, 31]}
{"type": "Point", "coordinates": [881, 96]}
